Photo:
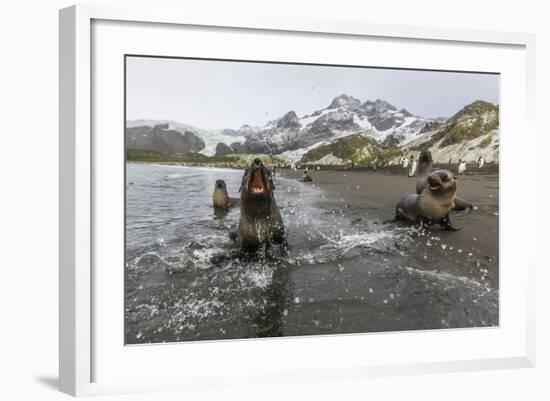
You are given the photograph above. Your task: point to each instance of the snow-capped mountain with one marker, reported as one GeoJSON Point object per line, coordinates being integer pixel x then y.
{"type": "Point", "coordinates": [345, 115]}
{"type": "Point", "coordinates": [292, 137]}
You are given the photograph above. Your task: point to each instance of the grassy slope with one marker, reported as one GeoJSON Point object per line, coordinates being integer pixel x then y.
{"type": "Point", "coordinates": [470, 123]}
{"type": "Point", "coordinates": [147, 156]}
{"type": "Point", "coordinates": [360, 149]}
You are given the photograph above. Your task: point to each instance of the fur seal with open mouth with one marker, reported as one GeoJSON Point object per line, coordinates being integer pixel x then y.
{"type": "Point", "coordinates": [221, 198]}
{"type": "Point", "coordinates": [261, 222]}
{"type": "Point", "coordinates": [425, 166]}
{"type": "Point", "coordinates": [433, 204]}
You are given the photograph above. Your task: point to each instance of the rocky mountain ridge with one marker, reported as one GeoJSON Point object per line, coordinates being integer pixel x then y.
{"type": "Point", "coordinates": [471, 132]}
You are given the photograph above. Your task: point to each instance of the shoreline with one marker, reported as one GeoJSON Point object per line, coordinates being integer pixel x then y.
{"type": "Point", "coordinates": [489, 168]}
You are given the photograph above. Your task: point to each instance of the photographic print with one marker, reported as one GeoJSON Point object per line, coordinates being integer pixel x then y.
{"type": "Point", "coordinates": [269, 199]}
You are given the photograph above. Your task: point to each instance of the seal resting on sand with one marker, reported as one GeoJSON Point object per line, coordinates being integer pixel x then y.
{"type": "Point", "coordinates": [425, 166]}
{"type": "Point", "coordinates": [261, 222]}
{"type": "Point", "coordinates": [221, 198]}
{"type": "Point", "coordinates": [433, 204]}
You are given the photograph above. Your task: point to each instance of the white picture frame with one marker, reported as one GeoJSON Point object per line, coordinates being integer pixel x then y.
{"type": "Point", "coordinates": [78, 164]}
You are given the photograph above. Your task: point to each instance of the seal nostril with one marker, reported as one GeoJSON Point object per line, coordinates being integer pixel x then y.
{"type": "Point", "coordinates": [257, 161]}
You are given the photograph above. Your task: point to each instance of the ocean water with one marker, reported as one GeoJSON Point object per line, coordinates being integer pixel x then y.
{"type": "Point", "coordinates": [185, 279]}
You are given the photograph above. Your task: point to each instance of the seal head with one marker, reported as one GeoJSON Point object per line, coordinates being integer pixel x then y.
{"type": "Point", "coordinates": [442, 183]}
{"type": "Point", "coordinates": [257, 183]}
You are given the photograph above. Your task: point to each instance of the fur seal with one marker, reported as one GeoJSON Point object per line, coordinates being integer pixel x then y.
{"type": "Point", "coordinates": [425, 166]}
{"type": "Point", "coordinates": [306, 177]}
{"type": "Point", "coordinates": [221, 198]}
{"type": "Point", "coordinates": [261, 222]}
{"type": "Point", "coordinates": [433, 204]}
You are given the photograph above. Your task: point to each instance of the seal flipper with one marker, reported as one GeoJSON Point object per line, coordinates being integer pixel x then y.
{"type": "Point", "coordinates": [447, 225]}
{"type": "Point", "coordinates": [396, 217]}
{"type": "Point", "coordinates": [461, 205]}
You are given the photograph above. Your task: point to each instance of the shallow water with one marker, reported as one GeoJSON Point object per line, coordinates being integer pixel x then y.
{"type": "Point", "coordinates": [185, 280]}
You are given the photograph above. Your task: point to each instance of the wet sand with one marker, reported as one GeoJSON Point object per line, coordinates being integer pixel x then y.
{"type": "Point", "coordinates": [368, 196]}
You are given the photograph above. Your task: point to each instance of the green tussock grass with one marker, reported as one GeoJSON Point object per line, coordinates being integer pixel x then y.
{"type": "Point", "coordinates": [147, 156]}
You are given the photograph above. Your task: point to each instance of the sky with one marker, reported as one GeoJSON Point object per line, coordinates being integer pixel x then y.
{"type": "Point", "coordinates": [228, 94]}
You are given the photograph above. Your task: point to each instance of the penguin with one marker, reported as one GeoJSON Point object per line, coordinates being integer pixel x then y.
{"type": "Point", "coordinates": [461, 167]}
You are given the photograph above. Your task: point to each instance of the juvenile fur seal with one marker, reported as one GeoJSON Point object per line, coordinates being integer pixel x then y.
{"type": "Point", "coordinates": [433, 204]}
{"type": "Point", "coordinates": [306, 177]}
{"type": "Point", "coordinates": [261, 222]}
{"type": "Point", "coordinates": [221, 198]}
{"type": "Point", "coordinates": [425, 166]}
